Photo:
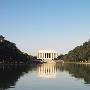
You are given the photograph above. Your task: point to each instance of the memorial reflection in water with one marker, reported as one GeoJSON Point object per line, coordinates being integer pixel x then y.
{"type": "Point", "coordinates": [14, 77]}
{"type": "Point", "coordinates": [49, 70]}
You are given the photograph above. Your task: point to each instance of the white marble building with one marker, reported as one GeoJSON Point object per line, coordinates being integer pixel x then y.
{"type": "Point", "coordinates": [47, 54]}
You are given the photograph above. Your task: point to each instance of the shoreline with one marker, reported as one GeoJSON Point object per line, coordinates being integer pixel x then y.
{"type": "Point", "coordinates": [78, 62]}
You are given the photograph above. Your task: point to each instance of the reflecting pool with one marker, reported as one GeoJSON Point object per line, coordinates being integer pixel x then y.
{"type": "Point", "coordinates": [47, 76]}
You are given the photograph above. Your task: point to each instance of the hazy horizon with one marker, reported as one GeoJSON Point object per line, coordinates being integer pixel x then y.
{"type": "Point", "coordinates": [45, 24]}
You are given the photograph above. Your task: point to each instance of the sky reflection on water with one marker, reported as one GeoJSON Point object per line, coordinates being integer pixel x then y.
{"type": "Point", "coordinates": [48, 76]}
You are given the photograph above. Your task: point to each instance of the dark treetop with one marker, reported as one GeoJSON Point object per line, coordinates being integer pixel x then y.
{"type": "Point", "coordinates": [9, 53]}
{"type": "Point", "coordinates": [80, 53]}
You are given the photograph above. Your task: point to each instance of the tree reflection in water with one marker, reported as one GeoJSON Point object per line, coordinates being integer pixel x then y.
{"type": "Point", "coordinates": [80, 71]}
{"type": "Point", "coordinates": [9, 74]}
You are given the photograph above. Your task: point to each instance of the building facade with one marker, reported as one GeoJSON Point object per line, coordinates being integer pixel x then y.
{"type": "Point", "coordinates": [47, 54]}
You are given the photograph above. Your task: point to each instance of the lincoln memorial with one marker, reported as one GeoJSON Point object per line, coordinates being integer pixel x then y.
{"type": "Point", "coordinates": [47, 54]}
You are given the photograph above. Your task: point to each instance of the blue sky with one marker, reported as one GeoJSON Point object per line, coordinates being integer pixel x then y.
{"type": "Point", "coordinates": [45, 24]}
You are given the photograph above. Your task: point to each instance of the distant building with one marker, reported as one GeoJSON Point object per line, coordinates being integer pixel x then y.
{"type": "Point", "coordinates": [1, 38]}
{"type": "Point", "coordinates": [47, 54]}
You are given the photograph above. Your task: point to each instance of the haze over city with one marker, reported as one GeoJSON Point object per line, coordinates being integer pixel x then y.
{"type": "Point", "coordinates": [45, 24]}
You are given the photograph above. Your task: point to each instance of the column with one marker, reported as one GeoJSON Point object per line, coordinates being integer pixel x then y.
{"type": "Point", "coordinates": [47, 55]}
{"type": "Point", "coordinates": [56, 55]}
{"type": "Point", "coordinates": [44, 55]}
{"type": "Point", "coordinates": [53, 55]}
{"type": "Point", "coordinates": [39, 55]}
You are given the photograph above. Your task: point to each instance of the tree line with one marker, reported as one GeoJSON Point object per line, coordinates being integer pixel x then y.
{"type": "Point", "coordinates": [80, 53]}
{"type": "Point", "coordinates": [9, 53]}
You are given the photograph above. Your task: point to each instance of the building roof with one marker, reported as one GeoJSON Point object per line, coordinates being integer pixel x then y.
{"type": "Point", "coordinates": [47, 51]}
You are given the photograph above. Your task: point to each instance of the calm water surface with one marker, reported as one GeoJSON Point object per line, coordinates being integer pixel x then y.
{"type": "Point", "coordinates": [48, 76]}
